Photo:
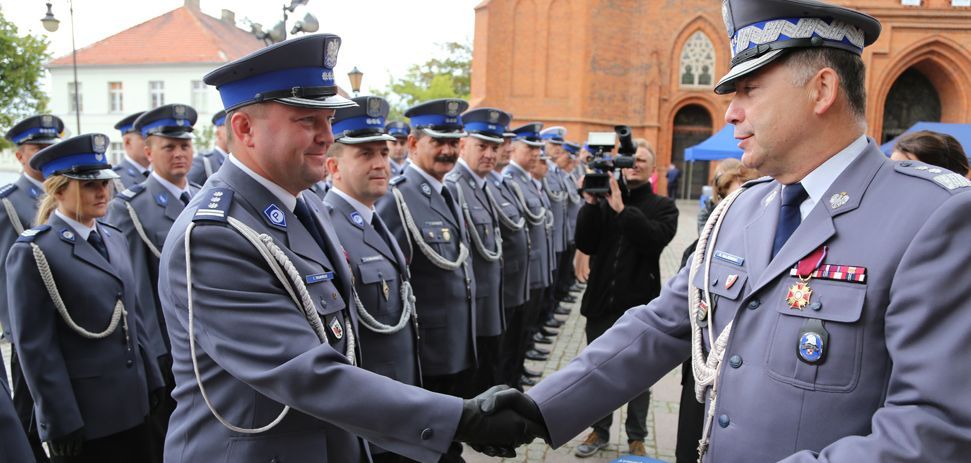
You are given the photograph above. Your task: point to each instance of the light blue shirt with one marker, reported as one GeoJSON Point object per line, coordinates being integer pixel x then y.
{"type": "Point", "coordinates": [367, 213]}
{"type": "Point", "coordinates": [172, 188]}
{"type": "Point", "coordinates": [819, 180]}
{"type": "Point", "coordinates": [81, 229]}
{"type": "Point", "coordinates": [436, 185]}
{"type": "Point", "coordinates": [478, 180]}
{"type": "Point", "coordinates": [288, 200]}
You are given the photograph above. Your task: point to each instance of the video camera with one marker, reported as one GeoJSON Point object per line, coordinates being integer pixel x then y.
{"type": "Point", "coordinates": [602, 165]}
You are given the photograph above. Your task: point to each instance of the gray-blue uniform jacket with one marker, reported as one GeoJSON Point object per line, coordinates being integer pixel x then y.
{"type": "Point", "coordinates": [379, 269]}
{"type": "Point", "coordinates": [540, 239]}
{"type": "Point", "coordinates": [24, 196]}
{"type": "Point", "coordinates": [574, 202]}
{"type": "Point", "coordinates": [446, 299]}
{"type": "Point", "coordinates": [489, 316]}
{"type": "Point", "coordinates": [205, 164]}
{"type": "Point", "coordinates": [320, 189]}
{"type": "Point", "coordinates": [156, 209]}
{"type": "Point", "coordinates": [13, 441]}
{"type": "Point", "coordinates": [558, 199]}
{"type": "Point", "coordinates": [257, 352]}
{"type": "Point", "coordinates": [130, 173]}
{"type": "Point", "coordinates": [515, 243]}
{"type": "Point", "coordinates": [892, 385]}
{"type": "Point", "coordinates": [97, 384]}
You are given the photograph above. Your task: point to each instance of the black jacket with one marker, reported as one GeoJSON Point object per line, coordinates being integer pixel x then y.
{"type": "Point", "coordinates": [625, 251]}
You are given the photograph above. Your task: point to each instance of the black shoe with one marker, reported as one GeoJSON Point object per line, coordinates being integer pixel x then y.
{"type": "Point", "coordinates": [553, 323]}
{"type": "Point", "coordinates": [532, 354]}
{"type": "Point", "coordinates": [524, 381]}
{"type": "Point", "coordinates": [569, 298]}
{"type": "Point", "coordinates": [540, 339]}
{"type": "Point", "coordinates": [548, 332]}
{"type": "Point", "coordinates": [540, 350]}
{"type": "Point", "coordinates": [530, 373]}
{"type": "Point", "coordinates": [575, 288]}
{"type": "Point", "coordinates": [561, 311]}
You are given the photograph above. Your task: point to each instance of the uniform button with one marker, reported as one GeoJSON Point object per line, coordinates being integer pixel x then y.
{"type": "Point", "coordinates": [129, 363]}
{"type": "Point", "coordinates": [816, 306]}
{"type": "Point", "coordinates": [735, 361]}
{"type": "Point", "coordinates": [274, 460]}
{"type": "Point", "coordinates": [723, 421]}
{"type": "Point", "coordinates": [427, 433]}
{"type": "Point", "coordinates": [754, 304]}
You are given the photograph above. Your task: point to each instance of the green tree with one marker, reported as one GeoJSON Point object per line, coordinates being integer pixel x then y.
{"type": "Point", "coordinates": [445, 77]}
{"type": "Point", "coordinates": [22, 61]}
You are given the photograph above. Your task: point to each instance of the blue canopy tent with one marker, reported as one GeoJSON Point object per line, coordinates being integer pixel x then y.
{"type": "Point", "coordinates": [721, 145]}
{"type": "Point", "coordinates": [962, 132]}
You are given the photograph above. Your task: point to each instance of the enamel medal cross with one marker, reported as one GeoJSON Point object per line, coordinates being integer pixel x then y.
{"type": "Point", "coordinates": [800, 294]}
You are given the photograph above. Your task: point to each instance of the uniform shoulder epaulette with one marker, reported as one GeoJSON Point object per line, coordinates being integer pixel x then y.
{"type": "Point", "coordinates": [116, 167]}
{"type": "Point", "coordinates": [108, 225]}
{"type": "Point", "coordinates": [28, 235]}
{"type": "Point", "coordinates": [196, 185]}
{"type": "Point", "coordinates": [215, 208]}
{"type": "Point", "coordinates": [757, 181]}
{"type": "Point", "coordinates": [131, 192]}
{"type": "Point", "coordinates": [7, 189]}
{"type": "Point", "coordinates": [939, 176]}
{"type": "Point", "coordinates": [398, 179]}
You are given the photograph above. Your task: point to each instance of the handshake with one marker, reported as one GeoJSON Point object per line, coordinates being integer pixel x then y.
{"type": "Point", "coordinates": [499, 420]}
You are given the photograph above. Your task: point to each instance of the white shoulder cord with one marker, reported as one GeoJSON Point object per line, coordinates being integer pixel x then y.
{"type": "Point", "coordinates": [571, 189]}
{"type": "Point", "coordinates": [207, 164]}
{"type": "Point", "coordinates": [141, 230]}
{"type": "Point", "coordinates": [503, 218]}
{"type": "Point", "coordinates": [706, 370]}
{"type": "Point", "coordinates": [119, 185]}
{"type": "Point", "coordinates": [489, 256]}
{"type": "Point", "coordinates": [287, 274]}
{"type": "Point", "coordinates": [118, 314]}
{"type": "Point", "coordinates": [533, 219]}
{"type": "Point", "coordinates": [413, 234]}
{"type": "Point", "coordinates": [12, 215]}
{"type": "Point", "coordinates": [549, 220]}
{"type": "Point", "coordinates": [555, 197]}
{"type": "Point", "coordinates": [407, 312]}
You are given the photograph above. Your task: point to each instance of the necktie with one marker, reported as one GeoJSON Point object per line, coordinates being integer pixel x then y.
{"type": "Point", "coordinates": [451, 204]}
{"type": "Point", "coordinates": [789, 216]}
{"type": "Point", "coordinates": [94, 239]}
{"type": "Point", "coordinates": [184, 197]}
{"type": "Point", "coordinates": [306, 218]}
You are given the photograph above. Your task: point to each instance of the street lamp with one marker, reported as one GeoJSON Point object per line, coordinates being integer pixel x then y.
{"type": "Point", "coordinates": [51, 24]}
{"type": "Point", "coordinates": [356, 76]}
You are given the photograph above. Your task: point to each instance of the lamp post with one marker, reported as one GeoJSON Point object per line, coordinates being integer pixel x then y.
{"type": "Point", "coordinates": [356, 76]}
{"type": "Point", "coordinates": [51, 24]}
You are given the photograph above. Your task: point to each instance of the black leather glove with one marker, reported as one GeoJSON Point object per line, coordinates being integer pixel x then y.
{"type": "Point", "coordinates": [155, 398]}
{"type": "Point", "coordinates": [493, 424]}
{"type": "Point", "coordinates": [68, 445]}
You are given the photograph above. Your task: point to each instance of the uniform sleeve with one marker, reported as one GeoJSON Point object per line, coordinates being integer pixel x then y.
{"type": "Point", "coordinates": [281, 357]}
{"type": "Point", "coordinates": [34, 325]}
{"type": "Point", "coordinates": [648, 233]}
{"type": "Point", "coordinates": [643, 346]}
{"type": "Point", "coordinates": [7, 237]}
{"type": "Point", "coordinates": [926, 415]}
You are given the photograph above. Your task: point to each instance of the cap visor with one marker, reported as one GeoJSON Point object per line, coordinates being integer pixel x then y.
{"type": "Point", "coordinates": [100, 174]}
{"type": "Point", "coordinates": [508, 135]}
{"type": "Point", "coordinates": [368, 139]}
{"type": "Point", "coordinates": [727, 83]}
{"type": "Point", "coordinates": [555, 142]}
{"type": "Point", "coordinates": [486, 138]}
{"type": "Point", "coordinates": [437, 134]}
{"type": "Point", "coordinates": [41, 141]}
{"type": "Point", "coordinates": [537, 144]}
{"type": "Point", "coordinates": [176, 135]}
{"type": "Point", "coordinates": [331, 102]}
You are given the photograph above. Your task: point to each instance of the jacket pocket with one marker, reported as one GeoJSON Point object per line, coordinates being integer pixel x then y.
{"type": "Point", "coordinates": [295, 446]}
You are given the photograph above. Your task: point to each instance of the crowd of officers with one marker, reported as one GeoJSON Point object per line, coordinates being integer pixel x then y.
{"type": "Point", "coordinates": [458, 229]}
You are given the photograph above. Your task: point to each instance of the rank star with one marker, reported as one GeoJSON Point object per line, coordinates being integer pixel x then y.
{"type": "Point", "coordinates": [799, 295]}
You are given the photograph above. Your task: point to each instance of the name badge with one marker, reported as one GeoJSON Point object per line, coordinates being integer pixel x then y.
{"type": "Point", "coordinates": [365, 260]}
{"type": "Point", "coordinates": [318, 277]}
{"type": "Point", "coordinates": [730, 258]}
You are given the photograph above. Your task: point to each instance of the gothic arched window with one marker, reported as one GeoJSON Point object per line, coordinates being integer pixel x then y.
{"type": "Point", "coordinates": [697, 61]}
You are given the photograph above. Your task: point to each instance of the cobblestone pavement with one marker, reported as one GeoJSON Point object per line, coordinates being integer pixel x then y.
{"type": "Point", "coordinates": [662, 418]}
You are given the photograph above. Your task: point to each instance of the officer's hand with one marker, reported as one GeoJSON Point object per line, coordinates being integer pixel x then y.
{"type": "Point", "coordinates": [155, 398]}
{"type": "Point", "coordinates": [493, 424]}
{"type": "Point", "coordinates": [615, 200]}
{"type": "Point", "coordinates": [67, 446]}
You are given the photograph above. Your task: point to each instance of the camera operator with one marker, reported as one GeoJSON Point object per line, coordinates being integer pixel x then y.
{"type": "Point", "coordinates": [624, 234]}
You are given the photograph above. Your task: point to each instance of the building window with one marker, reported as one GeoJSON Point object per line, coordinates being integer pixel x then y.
{"type": "Point", "coordinates": [116, 152]}
{"type": "Point", "coordinates": [960, 2]}
{"type": "Point", "coordinates": [116, 97]}
{"type": "Point", "coordinates": [199, 96]}
{"type": "Point", "coordinates": [156, 93]}
{"type": "Point", "coordinates": [75, 99]}
{"type": "Point", "coordinates": [910, 2]}
{"type": "Point", "coordinates": [697, 61]}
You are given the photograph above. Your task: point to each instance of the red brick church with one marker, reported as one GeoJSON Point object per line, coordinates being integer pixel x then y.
{"type": "Point", "coordinates": [591, 64]}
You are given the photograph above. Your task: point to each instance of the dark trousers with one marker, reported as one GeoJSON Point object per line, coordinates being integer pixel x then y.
{"type": "Point", "coordinates": [691, 418]}
{"type": "Point", "coordinates": [636, 424]}
{"type": "Point", "coordinates": [550, 300]}
{"type": "Point", "coordinates": [489, 371]}
{"type": "Point", "coordinates": [511, 345]}
{"type": "Point", "coordinates": [389, 458]}
{"type": "Point", "coordinates": [566, 276]}
{"type": "Point", "coordinates": [157, 421]}
{"type": "Point", "coordinates": [122, 447]}
{"type": "Point", "coordinates": [23, 404]}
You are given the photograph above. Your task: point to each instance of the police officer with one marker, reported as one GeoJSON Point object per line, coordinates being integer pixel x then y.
{"type": "Point", "coordinates": [20, 200]}
{"type": "Point", "coordinates": [358, 162]}
{"type": "Point", "coordinates": [565, 169]}
{"type": "Point", "coordinates": [798, 296]}
{"type": "Point", "coordinates": [74, 313]}
{"type": "Point", "coordinates": [208, 162]}
{"type": "Point", "coordinates": [134, 167]}
{"type": "Point", "coordinates": [255, 289]}
{"type": "Point", "coordinates": [399, 146]}
{"type": "Point", "coordinates": [144, 213]}
{"type": "Point", "coordinates": [556, 190]}
{"type": "Point", "coordinates": [13, 442]}
{"type": "Point", "coordinates": [525, 155]}
{"type": "Point", "coordinates": [469, 184]}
